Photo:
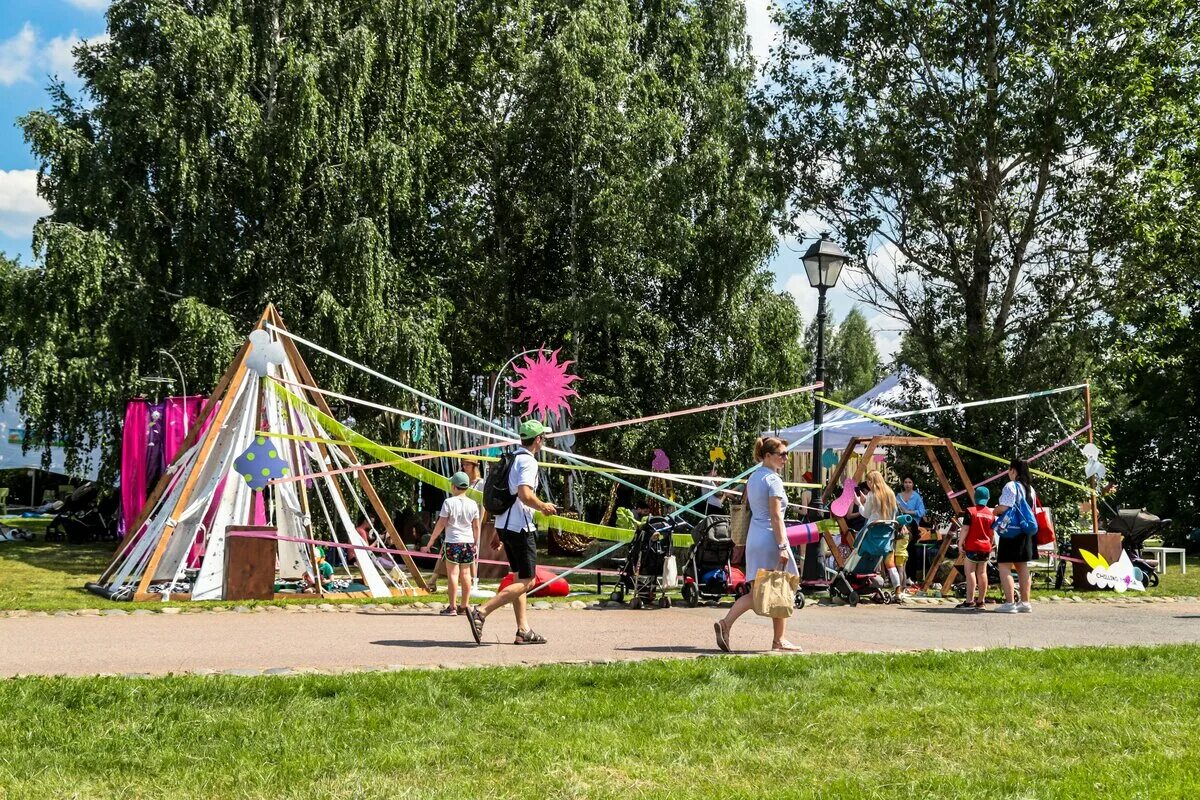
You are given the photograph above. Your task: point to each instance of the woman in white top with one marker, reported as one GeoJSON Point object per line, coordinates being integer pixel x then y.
{"type": "Point", "coordinates": [766, 542]}
{"type": "Point", "coordinates": [881, 506]}
{"type": "Point", "coordinates": [1016, 552]}
{"type": "Point", "coordinates": [459, 518]}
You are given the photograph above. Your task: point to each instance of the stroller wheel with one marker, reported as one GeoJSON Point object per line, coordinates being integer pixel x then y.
{"type": "Point", "coordinates": [1151, 578]}
{"type": "Point", "coordinates": [664, 601]}
{"type": "Point", "coordinates": [691, 595]}
{"type": "Point", "coordinates": [618, 595]}
{"type": "Point", "coordinates": [799, 599]}
{"type": "Point", "coordinates": [879, 598]}
{"type": "Point", "coordinates": [852, 598]}
{"type": "Point", "coordinates": [636, 602]}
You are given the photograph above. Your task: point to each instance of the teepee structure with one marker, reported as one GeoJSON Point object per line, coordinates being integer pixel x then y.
{"type": "Point", "coordinates": [177, 547]}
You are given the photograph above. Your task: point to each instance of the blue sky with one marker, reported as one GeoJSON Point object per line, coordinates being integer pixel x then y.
{"type": "Point", "coordinates": [36, 37]}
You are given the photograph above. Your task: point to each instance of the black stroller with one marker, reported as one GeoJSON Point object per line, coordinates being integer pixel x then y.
{"type": "Point", "coordinates": [1136, 525]}
{"type": "Point", "coordinates": [642, 575]}
{"type": "Point", "coordinates": [85, 518]}
{"type": "Point", "coordinates": [708, 573]}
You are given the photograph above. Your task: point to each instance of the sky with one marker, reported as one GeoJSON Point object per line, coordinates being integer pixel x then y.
{"type": "Point", "coordinates": [36, 37]}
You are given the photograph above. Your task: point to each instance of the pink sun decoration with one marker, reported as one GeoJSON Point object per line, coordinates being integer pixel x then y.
{"type": "Point", "coordinates": [545, 385]}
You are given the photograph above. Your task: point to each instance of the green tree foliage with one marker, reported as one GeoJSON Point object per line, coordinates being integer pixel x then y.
{"type": "Point", "coordinates": [853, 357]}
{"type": "Point", "coordinates": [424, 187]}
{"type": "Point", "coordinates": [980, 143]}
{"type": "Point", "coordinates": [1150, 387]}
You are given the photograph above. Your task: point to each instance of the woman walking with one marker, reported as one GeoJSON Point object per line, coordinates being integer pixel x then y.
{"type": "Point", "coordinates": [1016, 551]}
{"type": "Point", "coordinates": [766, 543]}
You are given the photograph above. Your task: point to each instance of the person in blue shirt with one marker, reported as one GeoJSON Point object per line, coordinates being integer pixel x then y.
{"type": "Point", "coordinates": [910, 500]}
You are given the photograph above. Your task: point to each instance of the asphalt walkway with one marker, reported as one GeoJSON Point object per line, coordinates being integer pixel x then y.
{"type": "Point", "coordinates": [392, 637]}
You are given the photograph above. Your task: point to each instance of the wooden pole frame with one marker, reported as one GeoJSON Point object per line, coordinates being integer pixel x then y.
{"type": "Point", "coordinates": [364, 481]}
{"type": "Point", "coordinates": [927, 446]}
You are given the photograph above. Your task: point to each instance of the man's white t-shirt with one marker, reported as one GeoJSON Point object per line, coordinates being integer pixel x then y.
{"type": "Point", "coordinates": [459, 511]}
{"type": "Point", "coordinates": [524, 472]}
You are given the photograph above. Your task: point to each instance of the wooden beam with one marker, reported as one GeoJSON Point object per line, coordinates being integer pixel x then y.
{"type": "Point", "coordinates": [165, 479]}
{"type": "Point", "coordinates": [968, 484]}
{"type": "Point", "coordinates": [206, 446]}
{"type": "Point", "coordinates": [364, 481]}
{"type": "Point", "coordinates": [836, 476]}
{"type": "Point", "coordinates": [1087, 409]}
{"type": "Point", "coordinates": [865, 462]}
{"type": "Point", "coordinates": [942, 479]}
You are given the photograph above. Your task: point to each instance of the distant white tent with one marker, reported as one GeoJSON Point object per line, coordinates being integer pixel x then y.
{"type": "Point", "coordinates": [900, 391]}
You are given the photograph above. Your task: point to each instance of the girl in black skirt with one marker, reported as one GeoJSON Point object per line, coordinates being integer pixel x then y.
{"type": "Point", "coordinates": [1018, 551]}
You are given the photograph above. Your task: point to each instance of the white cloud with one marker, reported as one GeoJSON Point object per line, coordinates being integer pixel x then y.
{"type": "Point", "coordinates": [20, 205]}
{"type": "Point", "coordinates": [17, 56]}
{"type": "Point", "coordinates": [90, 5]}
{"type": "Point", "coordinates": [26, 58]}
{"type": "Point", "coordinates": [760, 29]}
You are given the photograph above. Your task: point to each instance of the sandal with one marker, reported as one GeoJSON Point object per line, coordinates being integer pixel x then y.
{"type": "Point", "coordinates": [786, 647]}
{"type": "Point", "coordinates": [529, 637]}
{"type": "Point", "coordinates": [966, 604]}
{"type": "Point", "coordinates": [475, 620]}
{"type": "Point", "coordinates": [449, 612]}
{"type": "Point", "coordinates": [722, 635]}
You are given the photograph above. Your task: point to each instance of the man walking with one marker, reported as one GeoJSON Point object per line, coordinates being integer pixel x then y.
{"type": "Point", "coordinates": [516, 532]}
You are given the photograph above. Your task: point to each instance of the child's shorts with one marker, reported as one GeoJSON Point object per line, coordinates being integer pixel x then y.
{"type": "Point", "coordinates": [460, 553]}
{"type": "Point", "coordinates": [976, 557]}
{"type": "Point", "coordinates": [901, 551]}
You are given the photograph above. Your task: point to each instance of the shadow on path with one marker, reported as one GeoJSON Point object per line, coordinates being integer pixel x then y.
{"type": "Point", "coordinates": [458, 644]}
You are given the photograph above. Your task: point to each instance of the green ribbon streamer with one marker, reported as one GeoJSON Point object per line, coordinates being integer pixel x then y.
{"type": "Point", "coordinates": [415, 470]}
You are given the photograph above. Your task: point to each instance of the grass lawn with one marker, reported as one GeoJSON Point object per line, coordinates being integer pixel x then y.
{"type": "Point", "coordinates": [41, 576]}
{"type": "Point", "coordinates": [1106, 722]}
{"type": "Point", "coordinates": [38, 576]}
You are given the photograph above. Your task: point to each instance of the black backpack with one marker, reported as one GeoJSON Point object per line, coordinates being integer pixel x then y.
{"type": "Point", "coordinates": [496, 497]}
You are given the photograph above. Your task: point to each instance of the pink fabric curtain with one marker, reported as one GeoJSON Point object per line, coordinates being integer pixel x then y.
{"type": "Point", "coordinates": [133, 461]}
{"type": "Point", "coordinates": [180, 410]}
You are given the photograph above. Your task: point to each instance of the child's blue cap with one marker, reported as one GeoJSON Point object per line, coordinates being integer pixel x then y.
{"type": "Point", "coordinates": [982, 495]}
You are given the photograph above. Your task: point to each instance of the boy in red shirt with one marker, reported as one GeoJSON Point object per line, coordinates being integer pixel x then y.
{"type": "Point", "coordinates": [975, 542]}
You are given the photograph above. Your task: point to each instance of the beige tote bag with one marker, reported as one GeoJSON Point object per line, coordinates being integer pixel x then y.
{"type": "Point", "coordinates": [774, 593]}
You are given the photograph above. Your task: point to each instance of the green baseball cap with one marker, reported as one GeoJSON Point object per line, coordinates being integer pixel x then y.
{"type": "Point", "coordinates": [531, 428]}
{"type": "Point", "coordinates": [982, 495]}
{"type": "Point", "coordinates": [459, 480]}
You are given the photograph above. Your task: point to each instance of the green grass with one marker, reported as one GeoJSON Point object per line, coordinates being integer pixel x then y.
{"type": "Point", "coordinates": [41, 576]}
{"type": "Point", "coordinates": [1106, 722]}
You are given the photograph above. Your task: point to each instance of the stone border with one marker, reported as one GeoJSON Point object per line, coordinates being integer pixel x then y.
{"type": "Point", "coordinates": [540, 605]}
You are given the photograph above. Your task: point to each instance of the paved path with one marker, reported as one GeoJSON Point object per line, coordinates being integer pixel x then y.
{"type": "Point", "coordinates": [398, 638]}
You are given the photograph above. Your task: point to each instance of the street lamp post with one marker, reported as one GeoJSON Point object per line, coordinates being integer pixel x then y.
{"type": "Point", "coordinates": [182, 388]}
{"type": "Point", "coordinates": [823, 264]}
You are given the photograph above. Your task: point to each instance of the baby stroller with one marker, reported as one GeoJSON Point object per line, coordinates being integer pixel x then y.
{"type": "Point", "coordinates": [1136, 525]}
{"type": "Point", "coordinates": [860, 576]}
{"type": "Point", "coordinates": [707, 572]}
{"type": "Point", "coordinates": [85, 517]}
{"type": "Point", "coordinates": [642, 575]}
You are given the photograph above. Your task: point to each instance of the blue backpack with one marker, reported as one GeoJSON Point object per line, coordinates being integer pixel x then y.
{"type": "Point", "coordinates": [1018, 520]}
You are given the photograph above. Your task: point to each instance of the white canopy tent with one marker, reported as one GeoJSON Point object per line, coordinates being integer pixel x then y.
{"type": "Point", "coordinates": [900, 391]}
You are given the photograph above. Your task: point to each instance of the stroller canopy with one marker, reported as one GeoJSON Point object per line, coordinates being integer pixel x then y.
{"type": "Point", "coordinates": [1131, 521]}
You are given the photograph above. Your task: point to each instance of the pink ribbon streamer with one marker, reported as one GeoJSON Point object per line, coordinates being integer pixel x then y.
{"type": "Point", "coordinates": [1034, 457]}
{"type": "Point", "coordinates": [409, 553]}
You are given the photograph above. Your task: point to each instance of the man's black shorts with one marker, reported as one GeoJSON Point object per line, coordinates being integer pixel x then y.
{"type": "Point", "coordinates": [521, 549]}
